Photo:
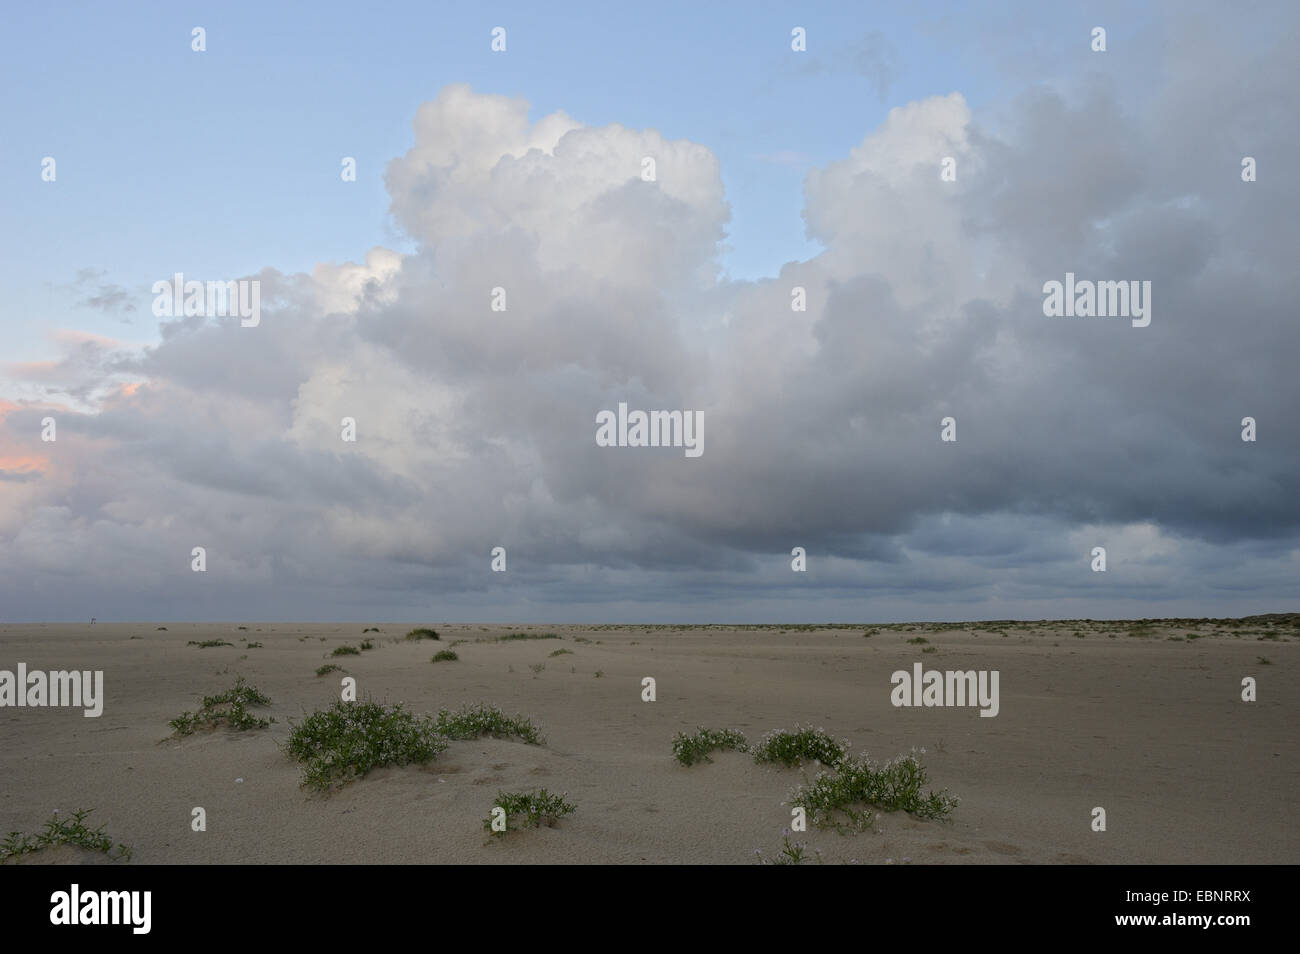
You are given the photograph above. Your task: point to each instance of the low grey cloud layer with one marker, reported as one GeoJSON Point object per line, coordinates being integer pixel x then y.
{"type": "Point", "coordinates": [475, 427]}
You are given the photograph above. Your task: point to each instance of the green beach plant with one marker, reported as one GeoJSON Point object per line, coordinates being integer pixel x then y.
{"type": "Point", "coordinates": [229, 708]}
{"type": "Point", "coordinates": [69, 830]}
{"type": "Point", "coordinates": [472, 721]}
{"type": "Point", "coordinates": [856, 786]}
{"type": "Point", "coordinates": [800, 745]}
{"type": "Point", "coordinates": [529, 810]}
{"type": "Point", "coordinates": [345, 742]}
{"type": "Point", "coordinates": [690, 749]}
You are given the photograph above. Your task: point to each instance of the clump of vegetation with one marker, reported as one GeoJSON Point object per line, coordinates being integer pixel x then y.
{"type": "Point", "coordinates": [689, 749]}
{"type": "Point", "coordinates": [208, 643]}
{"type": "Point", "coordinates": [795, 853]}
{"type": "Point", "coordinates": [348, 740]}
{"type": "Point", "coordinates": [445, 655]}
{"type": "Point", "coordinates": [1264, 660]}
{"type": "Point", "coordinates": [64, 831]}
{"type": "Point", "coordinates": [537, 667]}
{"type": "Point", "coordinates": [328, 668]}
{"type": "Point", "coordinates": [530, 809]}
{"type": "Point", "coordinates": [510, 637]}
{"type": "Point", "coordinates": [243, 628]}
{"type": "Point", "coordinates": [918, 640]}
{"type": "Point", "coordinates": [423, 633]}
{"type": "Point", "coordinates": [930, 649]}
{"type": "Point", "coordinates": [253, 646]}
{"type": "Point", "coordinates": [161, 629]}
{"type": "Point", "coordinates": [560, 652]}
{"type": "Point", "coordinates": [370, 629]}
{"type": "Point", "coordinates": [895, 786]}
{"type": "Point", "coordinates": [470, 722]}
{"type": "Point", "coordinates": [229, 708]}
{"type": "Point", "coordinates": [801, 745]}
{"type": "Point", "coordinates": [346, 651]}
{"type": "Point", "coordinates": [869, 633]}
{"type": "Point", "coordinates": [367, 644]}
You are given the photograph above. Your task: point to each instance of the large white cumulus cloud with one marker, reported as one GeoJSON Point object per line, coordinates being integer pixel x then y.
{"type": "Point", "coordinates": [480, 173]}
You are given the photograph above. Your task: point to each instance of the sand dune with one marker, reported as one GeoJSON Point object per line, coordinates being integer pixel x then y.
{"type": "Point", "coordinates": [1121, 716]}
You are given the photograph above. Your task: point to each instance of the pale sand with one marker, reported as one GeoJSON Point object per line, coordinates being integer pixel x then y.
{"type": "Point", "coordinates": [1152, 730]}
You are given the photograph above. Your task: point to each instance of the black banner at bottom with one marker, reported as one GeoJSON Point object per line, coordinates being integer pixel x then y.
{"type": "Point", "coordinates": [144, 904]}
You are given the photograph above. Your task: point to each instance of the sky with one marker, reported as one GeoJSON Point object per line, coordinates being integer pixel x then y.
{"type": "Point", "coordinates": [523, 169]}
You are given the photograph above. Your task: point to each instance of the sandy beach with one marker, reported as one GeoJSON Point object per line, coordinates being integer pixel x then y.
{"type": "Point", "coordinates": [1139, 720]}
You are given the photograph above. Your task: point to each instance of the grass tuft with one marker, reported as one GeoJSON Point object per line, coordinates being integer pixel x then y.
{"type": "Point", "coordinates": [208, 643]}
{"type": "Point", "coordinates": [423, 633]}
{"type": "Point", "coordinates": [328, 668]}
{"type": "Point", "coordinates": [445, 655]}
{"type": "Point", "coordinates": [346, 651]}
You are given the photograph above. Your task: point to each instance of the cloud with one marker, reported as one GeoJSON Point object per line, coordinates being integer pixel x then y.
{"type": "Point", "coordinates": [107, 297]}
{"type": "Point", "coordinates": [475, 426]}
